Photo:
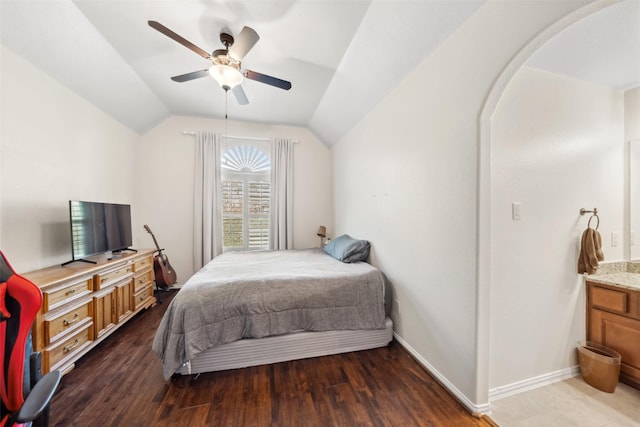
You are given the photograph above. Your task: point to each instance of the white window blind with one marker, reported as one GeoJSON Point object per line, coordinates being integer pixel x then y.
{"type": "Point", "coordinates": [246, 197]}
{"type": "Point", "coordinates": [259, 201]}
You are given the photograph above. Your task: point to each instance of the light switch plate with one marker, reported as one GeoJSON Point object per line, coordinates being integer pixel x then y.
{"type": "Point", "coordinates": [515, 211]}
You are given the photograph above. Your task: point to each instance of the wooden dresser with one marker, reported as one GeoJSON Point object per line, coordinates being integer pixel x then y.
{"type": "Point", "coordinates": [83, 303]}
{"type": "Point", "coordinates": [613, 320]}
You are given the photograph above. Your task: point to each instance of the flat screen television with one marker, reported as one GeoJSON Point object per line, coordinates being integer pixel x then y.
{"type": "Point", "coordinates": [98, 228]}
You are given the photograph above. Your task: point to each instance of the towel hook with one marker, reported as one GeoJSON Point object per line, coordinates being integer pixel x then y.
{"type": "Point", "coordinates": [595, 214]}
{"type": "Point", "coordinates": [584, 211]}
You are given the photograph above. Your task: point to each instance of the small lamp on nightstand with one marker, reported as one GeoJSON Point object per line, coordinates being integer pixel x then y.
{"type": "Point", "coordinates": [322, 233]}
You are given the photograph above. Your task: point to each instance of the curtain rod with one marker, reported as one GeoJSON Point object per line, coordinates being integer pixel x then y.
{"type": "Point", "coordinates": [253, 138]}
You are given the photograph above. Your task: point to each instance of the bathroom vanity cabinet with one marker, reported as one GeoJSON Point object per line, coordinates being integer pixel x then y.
{"type": "Point", "coordinates": [613, 320]}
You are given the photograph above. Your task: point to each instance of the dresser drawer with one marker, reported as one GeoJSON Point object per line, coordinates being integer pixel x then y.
{"type": "Point", "coordinates": [61, 295]}
{"type": "Point", "coordinates": [117, 274]}
{"type": "Point", "coordinates": [141, 280]}
{"type": "Point", "coordinates": [616, 301]}
{"type": "Point", "coordinates": [143, 298]}
{"type": "Point", "coordinates": [143, 263]}
{"type": "Point", "coordinates": [68, 348]}
{"type": "Point", "coordinates": [58, 323]}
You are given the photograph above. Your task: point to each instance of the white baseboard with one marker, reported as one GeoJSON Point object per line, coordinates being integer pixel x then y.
{"type": "Point", "coordinates": [532, 383]}
{"type": "Point", "coordinates": [473, 408]}
{"type": "Point", "coordinates": [496, 393]}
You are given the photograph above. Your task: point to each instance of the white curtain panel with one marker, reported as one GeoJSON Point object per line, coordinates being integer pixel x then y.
{"type": "Point", "coordinates": [281, 221]}
{"type": "Point", "coordinates": [207, 218]}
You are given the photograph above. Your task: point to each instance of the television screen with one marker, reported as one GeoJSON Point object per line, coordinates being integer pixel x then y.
{"type": "Point", "coordinates": [99, 227]}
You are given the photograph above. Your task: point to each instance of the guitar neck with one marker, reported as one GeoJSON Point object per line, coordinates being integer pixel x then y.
{"type": "Point", "coordinates": [156, 243]}
{"type": "Point", "coordinates": [146, 227]}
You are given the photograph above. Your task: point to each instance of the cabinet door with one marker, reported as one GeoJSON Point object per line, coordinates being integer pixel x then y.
{"type": "Point", "coordinates": [621, 334]}
{"type": "Point", "coordinates": [105, 311]}
{"type": "Point", "coordinates": [124, 299]}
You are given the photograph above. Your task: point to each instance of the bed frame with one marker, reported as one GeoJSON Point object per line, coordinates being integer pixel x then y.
{"type": "Point", "coordinates": [282, 348]}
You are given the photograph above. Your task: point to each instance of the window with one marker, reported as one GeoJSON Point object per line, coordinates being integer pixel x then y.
{"type": "Point", "coordinates": [246, 195]}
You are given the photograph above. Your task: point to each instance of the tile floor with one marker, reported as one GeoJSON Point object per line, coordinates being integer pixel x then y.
{"type": "Point", "coordinates": [569, 403]}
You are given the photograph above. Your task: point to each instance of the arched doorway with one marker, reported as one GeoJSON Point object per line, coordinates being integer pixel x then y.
{"type": "Point", "coordinates": [484, 190]}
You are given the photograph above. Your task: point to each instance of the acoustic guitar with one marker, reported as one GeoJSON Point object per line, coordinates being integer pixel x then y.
{"type": "Point", "coordinates": [165, 274]}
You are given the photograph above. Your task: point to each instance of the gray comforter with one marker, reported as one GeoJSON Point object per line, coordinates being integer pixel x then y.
{"type": "Point", "coordinates": [257, 294]}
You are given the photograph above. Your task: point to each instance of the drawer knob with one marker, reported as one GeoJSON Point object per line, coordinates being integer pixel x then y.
{"type": "Point", "coordinates": [66, 349]}
{"type": "Point", "coordinates": [71, 292]}
{"type": "Point", "coordinates": [66, 322]}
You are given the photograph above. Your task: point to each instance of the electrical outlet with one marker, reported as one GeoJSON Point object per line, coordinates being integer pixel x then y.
{"type": "Point", "coordinates": [614, 239]}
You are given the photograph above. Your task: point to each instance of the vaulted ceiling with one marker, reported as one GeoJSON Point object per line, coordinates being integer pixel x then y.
{"type": "Point", "coordinates": [602, 48]}
{"type": "Point", "coordinates": [342, 57]}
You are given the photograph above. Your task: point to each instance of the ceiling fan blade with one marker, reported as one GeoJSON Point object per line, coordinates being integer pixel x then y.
{"type": "Point", "coordinates": [263, 78]}
{"type": "Point", "coordinates": [190, 76]}
{"type": "Point", "coordinates": [243, 43]}
{"type": "Point", "coordinates": [241, 97]}
{"type": "Point", "coordinates": [186, 43]}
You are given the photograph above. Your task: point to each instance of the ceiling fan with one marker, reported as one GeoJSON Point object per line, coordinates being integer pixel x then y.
{"type": "Point", "coordinates": [225, 63]}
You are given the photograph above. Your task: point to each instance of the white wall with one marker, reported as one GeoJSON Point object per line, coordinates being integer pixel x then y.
{"type": "Point", "coordinates": [558, 146]}
{"type": "Point", "coordinates": [55, 146]}
{"type": "Point", "coordinates": [632, 114]}
{"type": "Point", "coordinates": [632, 136]}
{"type": "Point", "coordinates": [405, 178]}
{"type": "Point", "coordinates": [164, 200]}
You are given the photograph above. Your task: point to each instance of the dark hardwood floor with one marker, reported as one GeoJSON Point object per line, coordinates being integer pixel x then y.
{"type": "Point", "coordinates": [120, 383]}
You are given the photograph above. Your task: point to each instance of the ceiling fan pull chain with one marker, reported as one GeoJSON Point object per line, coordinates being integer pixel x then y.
{"type": "Point", "coordinates": [226, 122]}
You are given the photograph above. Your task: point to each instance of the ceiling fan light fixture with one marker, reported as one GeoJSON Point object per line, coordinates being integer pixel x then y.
{"type": "Point", "coordinates": [226, 67]}
{"type": "Point", "coordinates": [227, 76]}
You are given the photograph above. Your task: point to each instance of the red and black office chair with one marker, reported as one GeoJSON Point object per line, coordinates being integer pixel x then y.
{"type": "Point", "coordinates": [20, 301]}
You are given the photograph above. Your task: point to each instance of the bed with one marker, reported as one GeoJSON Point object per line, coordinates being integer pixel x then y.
{"type": "Point", "coordinates": [251, 308]}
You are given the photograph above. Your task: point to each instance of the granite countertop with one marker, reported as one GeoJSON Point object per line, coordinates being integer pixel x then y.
{"type": "Point", "coordinates": [624, 280]}
{"type": "Point", "coordinates": [622, 273]}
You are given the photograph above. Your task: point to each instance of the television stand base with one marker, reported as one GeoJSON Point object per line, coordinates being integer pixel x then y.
{"type": "Point", "coordinates": [125, 249]}
{"type": "Point", "coordinates": [78, 260]}
{"type": "Point", "coordinates": [118, 254]}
